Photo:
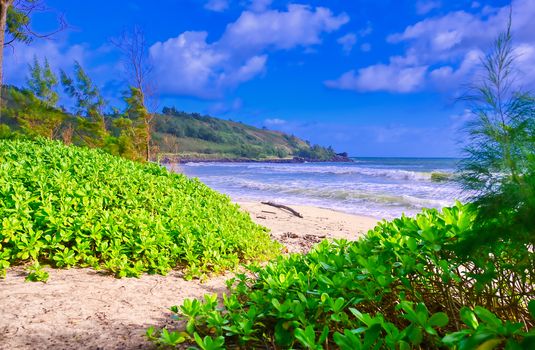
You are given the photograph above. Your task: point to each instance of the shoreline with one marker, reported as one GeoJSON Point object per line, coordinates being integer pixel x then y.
{"type": "Point", "coordinates": [294, 160]}
{"type": "Point", "coordinates": [84, 308]}
{"type": "Point", "coordinates": [299, 235]}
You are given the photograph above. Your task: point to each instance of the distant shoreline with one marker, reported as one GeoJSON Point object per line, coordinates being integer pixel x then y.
{"type": "Point", "coordinates": [295, 160]}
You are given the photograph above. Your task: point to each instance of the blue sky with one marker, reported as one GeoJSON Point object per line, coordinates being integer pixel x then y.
{"type": "Point", "coordinates": [374, 78]}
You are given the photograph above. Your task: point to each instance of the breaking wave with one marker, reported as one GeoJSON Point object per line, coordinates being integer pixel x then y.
{"type": "Point", "coordinates": [380, 188]}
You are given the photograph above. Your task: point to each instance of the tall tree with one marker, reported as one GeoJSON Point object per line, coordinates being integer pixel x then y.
{"type": "Point", "coordinates": [34, 116]}
{"type": "Point", "coordinates": [88, 100]}
{"type": "Point", "coordinates": [15, 26]}
{"type": "Point", "coordinates": [140, 117]}
{"type": "Point", "coordinates": [34, 108]}
{"type": "Point", "coordinates": [5, 5]}
{"type": "Point", "coordinates": [43, 82]}
{"type": "Point", "coordinates": [499, 164]}
{"type": "Point", "coordinates": [89, 104]}
{"type": "Point", "coordinates": [142, 94]}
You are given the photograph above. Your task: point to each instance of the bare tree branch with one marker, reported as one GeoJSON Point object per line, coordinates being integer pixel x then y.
{"type": "Point", "coordinates": [133, 46]}
{"type": "Point", "coordinates": [28, 8]}
{"type": "Point", "coordinates": [138, 67]}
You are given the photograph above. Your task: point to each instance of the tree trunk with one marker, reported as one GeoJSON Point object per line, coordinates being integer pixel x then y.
{"type": "Point", "coordinates": [147, 139]}
{"type": "Point", "coordinates": [4, 5]}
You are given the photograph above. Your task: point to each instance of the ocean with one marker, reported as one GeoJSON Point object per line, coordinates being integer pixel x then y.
{"type": "Point", "coordinates": [377, 187]}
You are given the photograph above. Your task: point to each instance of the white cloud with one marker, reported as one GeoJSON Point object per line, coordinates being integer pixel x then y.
{"type": "Point", "coordinates": [250, 69]}
{"type": "Point", "coordinates": [347, 41]}
{"type": "Point", "coordinates": [217, 5]}
{"type": "Point", "coordinates": [16, 60]}
{"type": "Point", "coordinates": [526, 59]}
{"type": "Point", "coordinates": [219, 108]}
{"type": "Point", "coordinates": [446, 40]}
{"type": "Point", "coordinates": [366, 30]}
{"type": "Point", "coordinates": [259, 5]}
{"type": "Point", "coordinates": [447, 77]}
{"type": "Point", "coordinates": [425, 6]}
{"type": "Point", "coordinates": [275, 121]}
{"type": "Point", "coordinates": [381, 77]}
{"type": "Point", "coordinates": [365, 47]}
{"type": "Point", "coordinates": [444, 51]}
{"type": "Point", "coordinates": [459, 121]}
{"type": "Point", "coordinates": [252, 5]}
{"type": "Point", "coordinates": [300, 25]}
{"type": "Point", "coordinates": [189, 65]}
{"type": "Point", "coordinates": [451, 35]}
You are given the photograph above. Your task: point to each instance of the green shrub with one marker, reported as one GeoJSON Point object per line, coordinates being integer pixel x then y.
{"type": "Point", "coordinates": [401, 286]}
{"type": "Point", "coordinates": [71, 206]}
{"type": "Point", "coordinates": [498, 167]}
{"type": "Point", "coordinates": [5, 131]}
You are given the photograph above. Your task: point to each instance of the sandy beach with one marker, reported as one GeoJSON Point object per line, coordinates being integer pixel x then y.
{"type": "Point", "coordinates": [87, 309]}
{"type": "Point", "coordinates": [300, 234]}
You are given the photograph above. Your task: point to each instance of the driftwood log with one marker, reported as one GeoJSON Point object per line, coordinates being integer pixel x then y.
{"type": "Point", "coordinates": [269, 212]}
{"type": "Point", "coordinates": [284, 207]}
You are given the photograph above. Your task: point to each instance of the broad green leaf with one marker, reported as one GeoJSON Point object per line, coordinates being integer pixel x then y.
{"type": "Point", "coordinates": [439, 319]}
{"type": "Point", "coordinates": [468, 317]}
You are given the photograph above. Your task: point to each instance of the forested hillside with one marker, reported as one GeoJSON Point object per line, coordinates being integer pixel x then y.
{"type": "Point", "coordinates": [193, 136]}
{"type": "Point", "coordinates": [174, 135]}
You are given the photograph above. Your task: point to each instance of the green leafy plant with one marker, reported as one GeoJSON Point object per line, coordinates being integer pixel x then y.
{"type": "Point", "coordinates": [36, 273]}
{"type": "Point", "coordinates": [209, 343]}
{"type": "Point", "coordinates": [486, 331]}
{"type": "Point", "coordinates": [71, 206]}
{"type": "Point", "coordinates": [165, 338]}
{"type": "Point", "coordinates": [400, 287]}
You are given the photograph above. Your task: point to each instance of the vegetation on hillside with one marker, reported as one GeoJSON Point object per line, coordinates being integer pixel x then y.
{"type": "Point", "coordinates": [33, 112]}
{"type": "Point", "coordinates": [72, 206]}
{"type": "Point", "coordinates": [197, 136]}
{"type": "Point", "coordinates": [135, 133]}
{"type": "Point", "coordinates": [174, 135]}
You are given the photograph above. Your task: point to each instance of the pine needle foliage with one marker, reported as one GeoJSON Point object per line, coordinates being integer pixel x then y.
{"type": "Point", "coordinates": [499, 164]}
{"type": "Point", "coordinates": [43, 82]}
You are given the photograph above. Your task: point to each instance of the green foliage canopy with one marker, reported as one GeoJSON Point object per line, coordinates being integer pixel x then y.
{"type": "Point", "coordinates": [43, 82]}
{"type": "Point", "coordinates": [35, 117]}
{"type": "Point", "coordinates": [91, 127]}
{"type": "Point", "coordinates": [17, 22]}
